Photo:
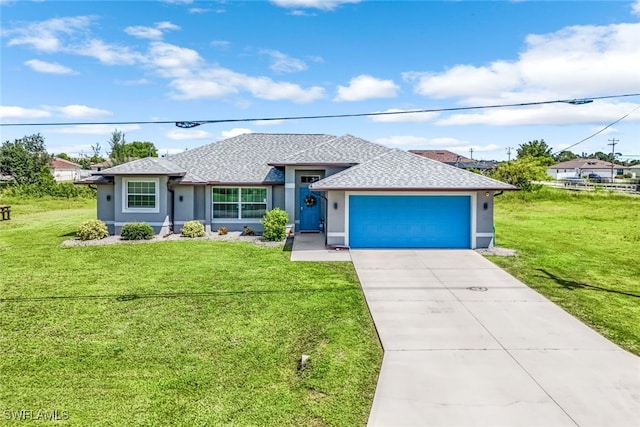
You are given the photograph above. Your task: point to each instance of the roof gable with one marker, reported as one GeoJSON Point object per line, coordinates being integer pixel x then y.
{"type": "Point", "coordinates": [400, 170]}
{"type": "Point", "coordinates": [581, 163]}
{"type": "Point", "coordinates": [344, 150]}
{"type": "Point", "coordinates": [58, 163]}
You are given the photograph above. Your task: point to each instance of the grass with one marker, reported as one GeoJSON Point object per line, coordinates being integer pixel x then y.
{"type": "Point", "coordinates": [176, 333]}
{"type": "Point", "coordinates": [580, 250]}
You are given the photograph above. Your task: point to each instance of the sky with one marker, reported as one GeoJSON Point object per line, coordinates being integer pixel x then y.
{"type": "Point", "coordinates": [178, 60]}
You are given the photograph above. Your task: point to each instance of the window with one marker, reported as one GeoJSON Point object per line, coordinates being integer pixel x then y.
{"type": "Point", "coordinates": [239, 203]}
{"type": "Point", "coordinates": [140, 195]}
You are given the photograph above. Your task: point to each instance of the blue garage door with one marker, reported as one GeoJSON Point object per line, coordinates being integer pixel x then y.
{"type": "Point", "coordinates": [409, 221]}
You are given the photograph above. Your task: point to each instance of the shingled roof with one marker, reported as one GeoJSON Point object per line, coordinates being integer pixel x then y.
{"type": "Point", "coordinates": [256, 158]}
{"type": "Point", "coordinates": [400, 170]}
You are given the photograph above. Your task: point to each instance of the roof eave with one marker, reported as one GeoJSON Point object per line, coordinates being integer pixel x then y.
{"type": "Point", "coordinates": [439, 189]}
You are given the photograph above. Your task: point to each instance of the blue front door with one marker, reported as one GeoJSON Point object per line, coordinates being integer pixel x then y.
{"type": "Point", "coordinates": [310, 213]}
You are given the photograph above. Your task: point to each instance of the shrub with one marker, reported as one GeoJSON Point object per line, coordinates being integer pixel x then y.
{"type": "Point", "coordinates": [93, 229]}
{"type": "Point", "coordinates": [193, 229]}
{"type": "Point", "coordinates": [275, 225]}
{"type": "Point", "coordinates": [136, 231]}
{"type": "Point", "coordinates": [248, 231]}
{"type": "Point", "coordinates": [222, 231]}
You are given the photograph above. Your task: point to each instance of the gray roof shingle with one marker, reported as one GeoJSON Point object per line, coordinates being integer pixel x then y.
{"type": "Point", "coordinates": [344, 150]}
{"type": "Point", "coordinates": [145, 166]}
{"type": "Point", "coordinates": [246, 158]}
{"type": "Point", "coordinates": [400, 170]}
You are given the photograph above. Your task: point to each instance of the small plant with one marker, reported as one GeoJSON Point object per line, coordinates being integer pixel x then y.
{"type": "Point", "coordinates": [136, 231]}
{"type": "Point", "coordinates": [248, 231]}
{"type": "Point", "coordinates": [93, 229]}
{"type": "Point", "coordinates": [222, 231]}
{"type": "Point", "coordinates": [275, 225]}
{"type": "Point", "coordinates": [193, 229]}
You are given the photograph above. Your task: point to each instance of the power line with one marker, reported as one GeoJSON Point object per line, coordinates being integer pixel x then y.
{"type": "Point", "coordinates": [194, 123]}
{"type": "Point", "coordinates": [600, 131]}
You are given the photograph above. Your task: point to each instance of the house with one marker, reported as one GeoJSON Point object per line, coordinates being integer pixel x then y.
{"type": "Point", "coordinates": [358, 193]}
{"type": "Point", "coordinates": [453, 159]}
{"type": "Point", "coordinates": [64, 170]}
{"type": "Point", "coordinates": [581, 168]}
{"type": "Point", "coordinates": [634, 170]}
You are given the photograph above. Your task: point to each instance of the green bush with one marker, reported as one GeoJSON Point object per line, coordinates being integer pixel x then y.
{"type": "Point", "coordinates": [193, 229]}
{"type": "Point", "coordinates": [136, 231]}
{"type": "Point", "coordinates": [93, 229]}
{"type": "Point", "coordinates": [222, 231]}
{"type": "Point", "coordinates": [275, 225]}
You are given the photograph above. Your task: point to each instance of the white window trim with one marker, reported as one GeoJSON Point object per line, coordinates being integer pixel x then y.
{"type": "Point", "coordinates": [125, 199]}
{"type": "Point", "coordinates": [239, 203]}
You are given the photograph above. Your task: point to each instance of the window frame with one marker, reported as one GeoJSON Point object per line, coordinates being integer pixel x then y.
{"type": "Point", "coordinates": [125, 196]}
{"type": "Point", "coordinates": [239, 203]}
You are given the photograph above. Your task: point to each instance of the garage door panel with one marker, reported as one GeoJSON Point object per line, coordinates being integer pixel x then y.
{"type": "Point", "coordinates": [409, 221]}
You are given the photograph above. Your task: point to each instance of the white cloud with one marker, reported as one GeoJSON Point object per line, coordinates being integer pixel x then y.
{"type": "Point", "coordinates": [404, 117]}
{"type": "Point", "coordinates": [173, 61]}
{"type": "Point", "coordinates": [267, 122]}
{"type": "Point", "coordinates": [222, 44]}
{"type": "Point", "coordinates": [221, 82]}
{"type": "Point", "coordinates": [50, 35]}
{"type": "Point", "coordinates": [635, 7]}
{"type": "Point", "coordinates": [366, 87]}
{"type": "Point", "coordinates": [134, 82]}
{"type": "Point", "coordinates": [106, 53]}
{"type": "Point", "coordinates": [154, 33]}
{"type": "Point", "coordinates": [183, 134]}
{"type": "Point", "coordinates": [94, 129]}
{"type": "Point", "coordinates": [234, 132]}
{"type": "Point", "coordinates": [412, 142]}
{"type": "Point", "coordinates": [199, 10]}
{"type": "Point", "coordinates": [15, 112]}
{"type": "Point", "coordinates": [312, 4]}
{"type": "Point", "coordinates": [76, 111]}
{"type": "Point", "coordinates": [48, 67]}
{"type": "Point", "coordinates": [282, 63]}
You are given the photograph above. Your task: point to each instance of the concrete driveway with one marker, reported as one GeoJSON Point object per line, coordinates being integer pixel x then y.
{"type": "Point", "coordinates": [466, 344]}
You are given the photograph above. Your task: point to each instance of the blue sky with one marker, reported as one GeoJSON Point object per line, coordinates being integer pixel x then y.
{"type": "Point", "coordinates": [103, 61]}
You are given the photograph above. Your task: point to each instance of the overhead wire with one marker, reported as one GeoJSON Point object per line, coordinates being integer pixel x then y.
{"type": "Point", "coordinates": [193, 123]}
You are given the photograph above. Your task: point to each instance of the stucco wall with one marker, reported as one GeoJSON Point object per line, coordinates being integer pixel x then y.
{"type": "Point", "coordinates": [158, 220]}
{"type": "Point", "coordinates": [335, 218]}
{"type": "Point", "coordinates": [183, 206]}
{"type": "Point", "coordinates": [484, 218]}
{"type": "Point", "coordinates": [106, 206]}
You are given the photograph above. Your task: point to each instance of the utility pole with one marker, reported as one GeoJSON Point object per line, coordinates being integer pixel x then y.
{"type": "Point", "coordinates": [471, 151]}
{"type": "Point", "coordinates": [613, 153]}
{"type": "Point", "coordinates": [509, 153]}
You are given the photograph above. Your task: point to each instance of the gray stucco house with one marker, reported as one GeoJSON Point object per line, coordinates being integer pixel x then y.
{"type": "Point", "coordinates": [359, 193]}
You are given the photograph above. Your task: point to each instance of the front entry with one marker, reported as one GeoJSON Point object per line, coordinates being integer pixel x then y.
{"type": "Point", "coordinates": [310, 210]}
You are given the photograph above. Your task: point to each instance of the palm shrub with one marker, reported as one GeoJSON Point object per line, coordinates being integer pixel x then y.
{"type": "Point", "coordinates": [274, 223]}
{"type": "Point", "coordinates": [136, 231]}
{"type": "Point", "coordinates": [193, 229]}
{"type": "Point", "coordinates": [92, 229]}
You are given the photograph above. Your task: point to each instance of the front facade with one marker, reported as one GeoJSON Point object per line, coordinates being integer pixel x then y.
{"type": "Point", "coordinates": [582, 168]}
{"type": "Point", "coordinates": [64, 170]}
{"type": "Point", "coordinates": [358, 193]}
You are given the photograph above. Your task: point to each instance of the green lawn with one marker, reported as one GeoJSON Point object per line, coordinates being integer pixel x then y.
{"type": "Point", "coordinates": [580, 250]}
{"type": "Point", "coordinates": [176, 333]}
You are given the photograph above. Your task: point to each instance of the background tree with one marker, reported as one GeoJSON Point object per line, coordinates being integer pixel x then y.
{"type": "Point", "coordinates": [564, 156]}
{"type": "Point", "coordinates": [118, 153]}
{"type": "Point", "coordinates": [536, 149]}
{"type": "Point", "coordinates": [64, 156]}
{"type": "Point", "coordinates": [522, 172]}
{"type": "Point", "coordinates": [140, 149]}
{"type": "Point", "coordinates": [24, 158]}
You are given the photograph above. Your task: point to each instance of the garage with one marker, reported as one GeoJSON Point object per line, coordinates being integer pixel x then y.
{"type": "Point", "coordinates": [409, 221]}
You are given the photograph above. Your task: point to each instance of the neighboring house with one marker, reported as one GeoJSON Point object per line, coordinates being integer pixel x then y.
{"type": "Point", "coordinates": [360, 194]}
{"type": "Point", "coordinates": [64, 170]}
{"type": "Point", "coordinates": [453, 159]}
{"type": "Point", "coordinates": [581, 168]}
{"type": "Point", "coordinates": [633, 170]}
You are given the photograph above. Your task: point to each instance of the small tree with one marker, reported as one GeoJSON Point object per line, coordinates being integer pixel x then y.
{"type": "Point", "coordinates": [118, 153]}
{"type": "Point", "coordinates": [521, 172]}
{"type": "Point", "coordinates": [536, 149]}
{"type": "Point", "coordinates": [24, 158]}
{"type": "Point", "coordinates": [274, 223]}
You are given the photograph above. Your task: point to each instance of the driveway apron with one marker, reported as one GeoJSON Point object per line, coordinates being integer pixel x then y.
{"type": "Point", "coordinates": [467, 344]}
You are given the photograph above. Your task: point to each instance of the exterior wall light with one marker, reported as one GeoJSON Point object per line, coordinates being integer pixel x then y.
{"type": "Point", "coordinates": [335, 205]}
{"type": "Point", "coordinates": [108, 197]}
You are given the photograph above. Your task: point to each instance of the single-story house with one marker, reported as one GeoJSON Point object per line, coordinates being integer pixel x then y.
{"type": "Point", "coordinates": [360, 194]}
{"type": "Point", "coordinates": [581, 168]}
{"type": "Point", "coordinates": [64, 170]}
{"type": "Point", "coordinates": [453, 159]}
{"type": "Point", "coordinates": [633, 170]}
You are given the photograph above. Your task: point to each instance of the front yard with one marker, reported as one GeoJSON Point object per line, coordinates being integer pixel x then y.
{"type": "Point", "coordinates": [582, 251]}
{"type": "Point", "coordinates": [177, 333]}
